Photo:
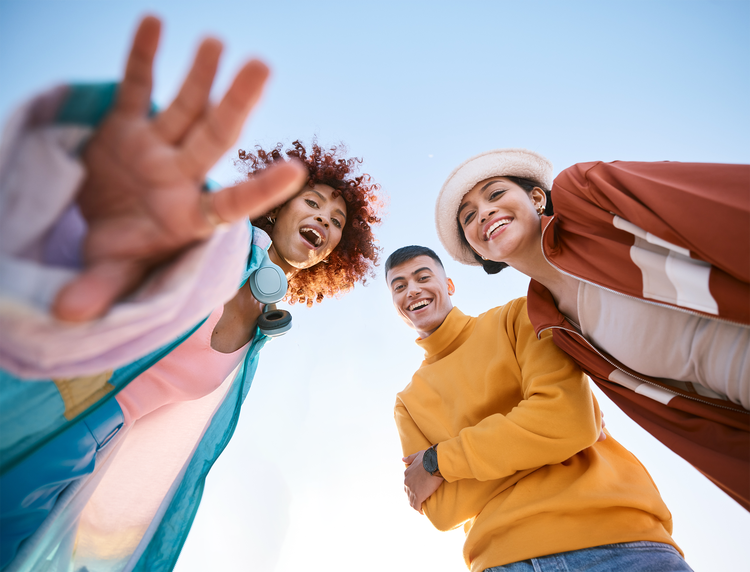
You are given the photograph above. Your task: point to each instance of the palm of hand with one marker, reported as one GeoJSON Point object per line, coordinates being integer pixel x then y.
{"type": "Point", "coordinates": [139, 202]}
{"type": "Point", "coordinates": [142, 196]}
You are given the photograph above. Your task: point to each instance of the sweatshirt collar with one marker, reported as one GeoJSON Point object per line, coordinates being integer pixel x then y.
{"type": "Point", "coordinates": [447, 337]}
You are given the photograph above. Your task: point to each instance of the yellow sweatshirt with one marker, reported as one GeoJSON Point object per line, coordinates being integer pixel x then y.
{"type": "Point", "coordinates": [517, 425]}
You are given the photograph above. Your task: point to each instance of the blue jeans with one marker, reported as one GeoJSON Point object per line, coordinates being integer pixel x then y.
{"type": "Point", "coordinates": [631, 556]}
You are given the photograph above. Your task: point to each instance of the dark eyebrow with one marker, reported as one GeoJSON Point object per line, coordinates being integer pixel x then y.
{"type": "Point", "coordinates": [325, 200]}
{"type": "Point", "coordinates": [397, 278]}
{"type": "Point", "coordinates": [481, 191]}
{"type": "Point", "coordinates": [417, 271]}
{"type": "Point", "coordinates": [487, 185]}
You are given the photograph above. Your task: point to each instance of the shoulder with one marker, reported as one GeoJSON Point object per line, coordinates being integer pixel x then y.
{"type": "Point", "coordinates": [511, 312]}
{"type": "Point", "coordinates": [576, 174]}
{"type": "Point", "coordinates": [259, 237]}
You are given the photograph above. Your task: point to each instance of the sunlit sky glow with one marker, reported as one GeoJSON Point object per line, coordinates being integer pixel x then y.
{"type": "Point", "coordinates": [312, 479]}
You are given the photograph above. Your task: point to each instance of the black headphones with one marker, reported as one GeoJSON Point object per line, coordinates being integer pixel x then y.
{"type": "Point", "coordinates": [268, 284]}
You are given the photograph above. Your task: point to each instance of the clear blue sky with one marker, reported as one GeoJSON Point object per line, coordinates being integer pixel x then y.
{"type": "Point", "coordinates": [312, 479]}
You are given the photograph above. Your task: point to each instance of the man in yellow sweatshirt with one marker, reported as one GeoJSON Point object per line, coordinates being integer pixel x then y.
{"type": "Point", "coordinates": [499, 430]}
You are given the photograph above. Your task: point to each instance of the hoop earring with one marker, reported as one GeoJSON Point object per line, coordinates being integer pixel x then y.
{"type": "Point", "coordinates": [271, 219]}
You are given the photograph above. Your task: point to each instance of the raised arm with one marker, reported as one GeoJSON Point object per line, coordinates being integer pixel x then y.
{"type": "Point", "coordinates": [701, 207]}
{"type": "Point", "coordinates": [142, 195]}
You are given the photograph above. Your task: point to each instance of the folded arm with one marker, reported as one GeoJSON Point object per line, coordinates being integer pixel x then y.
{"type": "Point", "coordinates": [446, 505]}
{"type": "Point", "coordinates": [557, 417]}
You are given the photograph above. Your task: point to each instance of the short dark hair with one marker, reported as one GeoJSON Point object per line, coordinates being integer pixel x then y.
{"type": "Point", "coordinates": [491, 266]}
{"type": "Point", "coordinates": [407, 253]}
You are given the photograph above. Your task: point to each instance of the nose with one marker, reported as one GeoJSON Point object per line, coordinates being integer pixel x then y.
{"type": "Point", "coordinates": [414, 289]}
{"type": "Point", "coordinates": [321, 220]}
{"type": "Point", "coordinates": [485, 213]}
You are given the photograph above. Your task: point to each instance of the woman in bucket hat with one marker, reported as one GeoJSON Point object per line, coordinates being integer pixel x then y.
{"type": "Point", "coordinates": [642, 273]}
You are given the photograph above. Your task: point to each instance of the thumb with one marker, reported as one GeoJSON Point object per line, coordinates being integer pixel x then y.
{"type": "Point", "coordinates": [90, 295]}
{"type": "Point", "coordinates": [410, 459]}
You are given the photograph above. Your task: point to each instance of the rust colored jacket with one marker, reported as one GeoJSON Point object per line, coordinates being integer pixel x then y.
{"type": "Point", "coordinates": [675, 234]}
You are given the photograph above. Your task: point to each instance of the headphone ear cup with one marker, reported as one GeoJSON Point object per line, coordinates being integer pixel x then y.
{"type": "Point", "coordinates": [268, 283]}
{"type": "Point", "coordinates": [275, 322]}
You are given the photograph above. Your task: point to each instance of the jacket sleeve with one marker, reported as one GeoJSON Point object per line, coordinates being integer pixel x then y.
{"type": "Point", "coordinates": [701, 207]}
{"type": "Point", "coordinates": [557, 417]}
{"type": "Point", "coordinates": [40, 173]}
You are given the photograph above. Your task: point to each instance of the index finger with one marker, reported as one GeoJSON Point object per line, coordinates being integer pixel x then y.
{"type": "Point", "coordinates": [134, 93]}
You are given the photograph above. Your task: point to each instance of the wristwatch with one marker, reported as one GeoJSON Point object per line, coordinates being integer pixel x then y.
{"type": "Point", "coordinates": [430, 461]}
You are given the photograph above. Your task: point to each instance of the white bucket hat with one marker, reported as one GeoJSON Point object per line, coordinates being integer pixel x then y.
{"type": "Point", "coordinates": [497, 163]}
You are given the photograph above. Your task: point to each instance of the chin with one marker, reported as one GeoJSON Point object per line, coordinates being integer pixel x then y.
{"type": "Point", "coordinates": [304, 264]}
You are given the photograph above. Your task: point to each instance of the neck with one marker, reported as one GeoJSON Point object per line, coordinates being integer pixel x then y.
{"type": "Point", "coordinates": [563, 288]}
{"type": "Point", "coordinates": [538, 268]}
{"type": "Point", "coordinates": [286, 268]}
{"type": "Point", "coordinates": [425, 334]}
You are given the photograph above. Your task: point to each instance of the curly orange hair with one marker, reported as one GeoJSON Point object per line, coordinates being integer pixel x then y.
{"type": "Point", "coordinates": [355, 257]}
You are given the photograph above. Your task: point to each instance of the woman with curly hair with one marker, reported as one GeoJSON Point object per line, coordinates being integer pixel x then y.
{"type": "Point", "coordinates": [352, 261]}
{"type": "Point", "coordinates": [321, 238]}
{"type": "Point", "coordinates": [162, 432]}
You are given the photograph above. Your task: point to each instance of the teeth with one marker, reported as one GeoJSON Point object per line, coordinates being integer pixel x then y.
{"type": "Point", "coordinates": [418, 305]}
{"type": "Point", "coordinates": [495, 226]}
{"type": "Point", "coordinates": [318, 238]}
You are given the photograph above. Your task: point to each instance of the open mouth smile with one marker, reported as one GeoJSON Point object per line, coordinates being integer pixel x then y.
{"type": "Point", "coordinates": [496, 227]}
{"type": "Point", "coordinates": [418, 305]}
{"type": "Point", "coordinates": [311, 236]}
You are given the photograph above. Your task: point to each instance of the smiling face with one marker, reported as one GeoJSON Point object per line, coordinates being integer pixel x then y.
{"type": "Point", "coordinates": [421, 293]}
{"type": "Point", "coordinates": [500, 219]}
{"type": "Point", "coordinates": [308, 227]}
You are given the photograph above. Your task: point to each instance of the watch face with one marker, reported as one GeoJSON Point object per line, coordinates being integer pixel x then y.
{"type": "Point", "coordinates": [429, 461]}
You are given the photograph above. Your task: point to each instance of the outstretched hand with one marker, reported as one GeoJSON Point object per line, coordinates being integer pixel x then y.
{"type": "Point", "coordinates": [142, 196]}
{"type": "Point", "coordinates": [418, 483]}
